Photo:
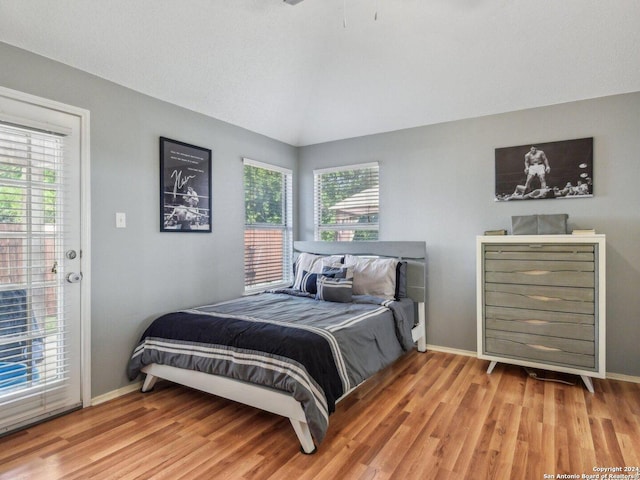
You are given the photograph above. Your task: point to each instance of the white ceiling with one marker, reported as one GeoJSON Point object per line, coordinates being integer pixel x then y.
{"type": "Point", "coordinates": [299, 75]}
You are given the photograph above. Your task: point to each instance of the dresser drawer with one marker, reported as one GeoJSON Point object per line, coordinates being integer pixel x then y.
{"type": "Point", "coordinates": [533, 251]}
{"type": "Point", "coordinates": [538, 322]}
{"type": "Point", "coordinates": [538, 272]}
{"type": "Point", "coordinates": [534, 297]}
{"type": "Point", "coordinates": [555, 350]}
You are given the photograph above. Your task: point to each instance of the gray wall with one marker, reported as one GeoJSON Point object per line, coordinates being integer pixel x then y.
{"type": "Point", "coordinates": [437, 185]}
{"type": "Point", "coordinates": [139, 272]}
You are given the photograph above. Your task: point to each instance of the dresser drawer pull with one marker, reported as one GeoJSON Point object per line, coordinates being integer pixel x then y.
{"type": "Point", "coordinates": [536, 322]}
{"type": "Point", "coordinates": [536, 272]}
{"type": "Point", "coordinates": [542, 347]}
{"type": "Point", "coordinates": [543, 298]}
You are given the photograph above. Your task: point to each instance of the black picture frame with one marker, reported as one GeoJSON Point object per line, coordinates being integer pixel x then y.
{"type": "Point", "coordinates": [185, 187]}
{"type": "Point", "coordinates": [570, 172]}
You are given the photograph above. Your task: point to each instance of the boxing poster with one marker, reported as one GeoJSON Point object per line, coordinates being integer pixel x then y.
{"type": "Point", "coordinates": [549, 170]}
{"type": "Point", "coordinates": [185, 187]}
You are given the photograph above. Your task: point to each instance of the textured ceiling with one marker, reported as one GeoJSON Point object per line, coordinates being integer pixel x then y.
{"type": "Point", "coordinates": [303, 75]}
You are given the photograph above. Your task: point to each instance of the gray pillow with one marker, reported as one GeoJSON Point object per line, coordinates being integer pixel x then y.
{"type": "Point", "coordinates": [337, 272]}
{"type": "Point", "coordinates": [401, 280]}
{"type": "Point", "coordinates": [309, 280]}
{"type": "Point", "coordinates": [373, 276]}
{"type": "Point", "coordinates": [311, 263]}
{"type": "Point", "coordinates": [334, 289]}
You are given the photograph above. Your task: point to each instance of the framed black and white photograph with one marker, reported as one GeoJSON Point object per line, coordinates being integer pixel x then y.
{"type": "Point", "coordinates": [185, 187]}
{"type": "Point", "coordinates": [537, 171]}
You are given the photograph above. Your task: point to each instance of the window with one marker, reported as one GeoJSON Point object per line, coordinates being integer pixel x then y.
{"type": "Point", "coordinates": [346, 203]}
{"type": "Point", "coordinates": [268, 232]}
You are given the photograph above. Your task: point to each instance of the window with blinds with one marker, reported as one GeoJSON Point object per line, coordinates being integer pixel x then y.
{"type": "Point", "coordinates": [268, 230]}
{"type": "Point", "coordinates": [346, 203]}
{"type": "Point", "coordinates": [33, 351]}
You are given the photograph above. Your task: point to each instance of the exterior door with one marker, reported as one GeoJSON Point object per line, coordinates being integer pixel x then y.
{"type": "Point", "coordinates": [41, 260]}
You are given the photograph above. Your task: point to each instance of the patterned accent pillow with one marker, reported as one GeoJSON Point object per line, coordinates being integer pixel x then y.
{"type": "Point", "coordinates": [308, 282]}
{"type": "Point", "coordinates": [309, 262]}
{"type": "Point", "coordinates": [334, 289]}
{"type": "Point", "coordinates": [337, 271]}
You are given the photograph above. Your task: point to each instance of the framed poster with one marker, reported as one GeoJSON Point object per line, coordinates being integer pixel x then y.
{"type": "Point", "coordinates": [561, 169]}
{"type": "Point", "coordinates": [185, 187]}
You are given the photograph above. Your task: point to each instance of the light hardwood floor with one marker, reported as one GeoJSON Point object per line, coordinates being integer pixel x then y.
{"type": "Point", "coordinates": [431, 415]}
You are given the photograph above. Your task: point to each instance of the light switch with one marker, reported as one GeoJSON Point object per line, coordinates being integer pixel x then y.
{"type": "Point", "coordinates": [121, 220]}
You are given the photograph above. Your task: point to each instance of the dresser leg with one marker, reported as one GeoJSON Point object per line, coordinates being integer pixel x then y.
{"type": "Point", "coordinates": [587, 383]}
{"type": "Point", "coordinates": [491, 367]}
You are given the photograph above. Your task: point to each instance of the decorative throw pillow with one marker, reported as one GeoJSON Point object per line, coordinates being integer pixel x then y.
{"type": "Point", "coordinates": [401, 280]}
{"type": "Point", "coordinates": [373, 276]}
{"type": "Point", "coordinates": [334, 289]}
{"type": "Point", "coordinates": [308, 282]}
{"type": "Point", "coordinates": [337, 271]}
{"type": "Point", "coordinates": [311, 263]}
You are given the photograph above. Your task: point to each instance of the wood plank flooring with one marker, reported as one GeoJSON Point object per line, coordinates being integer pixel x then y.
{"type": "Point", "coordinates": [430, 415]}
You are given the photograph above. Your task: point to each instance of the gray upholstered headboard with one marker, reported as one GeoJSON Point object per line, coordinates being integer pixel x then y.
{"type": "Point", "coordinates": [414, 253]}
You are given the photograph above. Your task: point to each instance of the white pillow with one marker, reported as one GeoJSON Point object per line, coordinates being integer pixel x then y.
{"type": "Point", "coordinates": [373, 276]}
{"type": "Point", "coordinates": [311, 263]}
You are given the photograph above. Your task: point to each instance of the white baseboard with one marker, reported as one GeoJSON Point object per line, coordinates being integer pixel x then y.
{"type": "Point", "coordinates": [623, 378]}
{"type": "Point", "coordinates": [468, 353]}
{"type": "Point", "coordinates": [105, 397]}
{"type": "Point", "coordinates": [455, 351]}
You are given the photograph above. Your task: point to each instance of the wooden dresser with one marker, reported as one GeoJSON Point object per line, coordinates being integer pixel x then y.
{"type": "Point", "coordinates": [541, 302]}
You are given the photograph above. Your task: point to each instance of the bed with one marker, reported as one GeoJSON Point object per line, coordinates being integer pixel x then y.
{"type": "Point", "coordinates": [353, 309]}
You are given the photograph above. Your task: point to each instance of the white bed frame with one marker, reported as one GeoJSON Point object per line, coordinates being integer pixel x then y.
{"type": "Point", "coordinates": [282, 403]}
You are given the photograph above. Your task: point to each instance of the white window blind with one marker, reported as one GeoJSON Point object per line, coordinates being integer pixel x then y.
{"type": "Point", "coordinates": [346, 203]}
{"type": "Point", "coordinates": [34, 359]}
{"type": "Point", "coordinates": [268, 230]}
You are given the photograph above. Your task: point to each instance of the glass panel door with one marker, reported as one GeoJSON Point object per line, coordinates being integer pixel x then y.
{"type": "Point", "coordinates": [39, 295]}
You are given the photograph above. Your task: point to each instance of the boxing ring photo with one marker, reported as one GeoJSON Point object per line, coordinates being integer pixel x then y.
{"type": "Point", "coordinates": [550, 170]}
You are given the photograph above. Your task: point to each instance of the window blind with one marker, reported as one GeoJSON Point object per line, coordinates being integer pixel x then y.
{"type": "Point", "coordinates": [346, 203]}
{"type": "Point", "coordinates": [268, 231]}
{"type": "Point", "coordinates": [34, 353]}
